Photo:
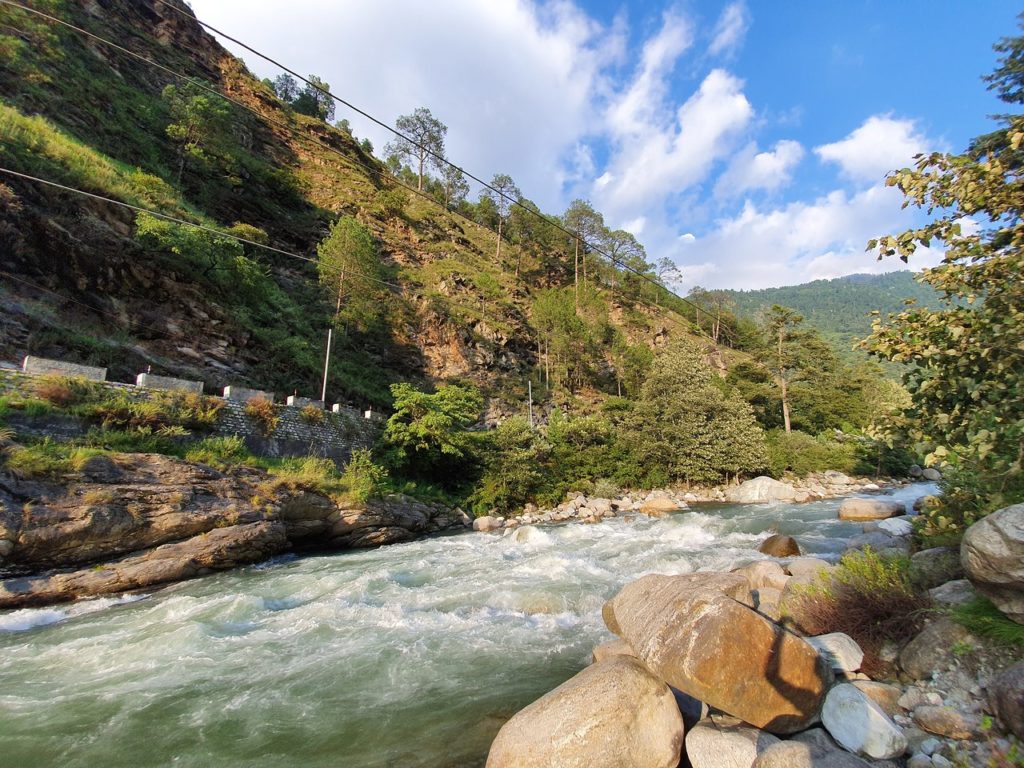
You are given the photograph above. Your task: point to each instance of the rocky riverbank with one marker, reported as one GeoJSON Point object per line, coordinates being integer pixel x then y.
{"type": "Point", "coordinates": [716, 670]}
{"type": "Point", "coordinates": [135, 521]}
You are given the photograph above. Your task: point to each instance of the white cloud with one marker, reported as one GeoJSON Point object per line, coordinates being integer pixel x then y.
{"type": "Point", "coordinates": [730, 30]}
{"type": "Point", "coordinates": [880, 145]}
{"type": "Point", "coordinates": [751, 169]}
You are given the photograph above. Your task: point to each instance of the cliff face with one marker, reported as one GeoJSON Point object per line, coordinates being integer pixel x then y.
{"type": "Point", "coordinates": [138, 521]}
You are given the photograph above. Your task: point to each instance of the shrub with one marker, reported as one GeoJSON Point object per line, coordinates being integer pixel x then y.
{"type": "Point", "coordinates": [869, 597]}
{"type": "Point", "coordinates": [125, 410]}
{"type": "Point", "coordinates": [262, 411]}
{"type": "Point", "coordinates": [311, 414]}
{"type": "Point", "coordinates": [604, 488]}
{"type": "Point", "coordinates": [311, 473]}
{"type": "Point", "coordinates": [64, 391]}
{"type": "Point", "coordinates": [800, 454]}
{"type": "Point", "coordinates": [362, 478]}
{"type": "Point", "coordinates": [219, 452]}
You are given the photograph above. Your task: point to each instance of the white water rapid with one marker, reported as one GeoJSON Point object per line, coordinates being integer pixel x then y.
{"type": "Point", "coordinates": [411, 655]}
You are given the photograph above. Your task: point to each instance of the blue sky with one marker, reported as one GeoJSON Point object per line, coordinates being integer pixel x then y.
{"type": "Point", "coordinates": [746, 141]}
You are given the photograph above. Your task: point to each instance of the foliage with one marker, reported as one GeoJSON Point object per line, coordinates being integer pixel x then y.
{"type": "Point", "coordinates": [263, 412]}
{"type": "Point", "coordinates": [967, 356]}
{"type": "Point", "coordinates": [310, 473]}
{"type": "Point", "coordinates": [350, 268]}
{"type": "Point", "coordinates": [362, 478]}
{"type": "Point", "coordinates": [982, 618]}
{"type": "Point", "coordinates": [46, 458]}
{"type": "Point", "coordinates": [139, 440]}
{"type": "Point", "coordinates": [65, 391]}
{"type": "Point", "coordinates": [514, 467]}
{"type": "Point", "coordinates": [312, 414]}
{"type": "Point", "coordinates": [422, 140]}
{"type": "Point", "coordinates": [869, 597]}
{"type": "Point", "coordinates": [427, 436]}
{"type": "Point", "coordinates": [123, 410]}
{"type": "Point", "coordinates": [688, 427]}
{"type": "Point", "coordinates": [800, 454]}
{"type": "Point", "coordinates": [219, 452]}
{"type": "Point", "coordinates": [201, 125]}
{"type": "Point", "coordinates": [391, 203]}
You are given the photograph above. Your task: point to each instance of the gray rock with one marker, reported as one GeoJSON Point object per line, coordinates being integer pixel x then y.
{"type": "Point", "coordinates": [1006, 697]}
{"type": "Point", "coordinates": [725, 742]}
{"type": "Point", "coordinates": [798, 754]}
{"type": "Point", "coordinates": [992, 553]}
{"type": "Point", "coordinates": [764, 573]}
{"type": "Point", "coordinates": [613, 713]}
{"type": "Point", "coordinates": [760, 490]}
{"type": "Point", "coordinates": [6, 547]}
{"type": "Point", "coordinates": [931, 567]}
{"type": "Point", "coordinates": [805, 570]}
{"type": "Point", "coordinates": [841, 651]}
{"type": "Point", "coordinates": [870, 509]}
{"type": "Point", "coordinates": [860, 725]}
{"type": "Point", "coordinates": [948, 722]}
{"type": "Point", "coordinates": [768, 602]}
{"type": "Point", "coordinates": [932, 648]}
{"type": "Point", "coordinates": [931, 474]}
{"type": "Point", "coordinates": [915, 471]}
{"type": "Point", "coordinates": [897, 526]}
{"type": "Point", "coordinates": [959, 592]}
{"type": "Point", "coordinates": [486, 523]}
{"type": "Point", "coordinates": [919, 761]}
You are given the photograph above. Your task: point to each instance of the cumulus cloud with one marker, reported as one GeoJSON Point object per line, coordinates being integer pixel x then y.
{"type": "Point", "coordinates": [730, 30]}
{"type": "Point", "coordinates": [880, 145]}
{"type": "Point", "coordinates": [751, 169]}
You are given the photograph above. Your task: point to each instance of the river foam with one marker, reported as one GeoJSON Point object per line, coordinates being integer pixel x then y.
{"type": "Point", "coordinates": [409, 655]}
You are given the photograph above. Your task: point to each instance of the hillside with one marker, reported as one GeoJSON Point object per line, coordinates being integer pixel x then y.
{"type": "Point", "coordinates": [94, 282]}
{"type": "Point", "coordinates": [840, 308]}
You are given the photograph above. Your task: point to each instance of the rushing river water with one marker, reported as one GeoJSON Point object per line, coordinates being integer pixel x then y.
{"type": "Point", "coordinates": [410, 655]}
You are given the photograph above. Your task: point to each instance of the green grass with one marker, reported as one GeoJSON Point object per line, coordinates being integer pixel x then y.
{"type": "Point", "coordinates": [47, 458]}
{"type": "Point", "coordinates": [982, 618]}
{"type": "Point", "coordinates": [220, 452]}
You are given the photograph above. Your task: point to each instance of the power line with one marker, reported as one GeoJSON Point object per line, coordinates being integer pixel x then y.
{"type": "Point", "coordinates": [615, 262]}
{"type": "Point", "coordinates": [438, 158]}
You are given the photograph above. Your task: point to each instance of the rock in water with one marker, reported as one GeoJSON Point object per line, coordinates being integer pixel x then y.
{"type": "Point", "coordinates": [870, 509]}
{"type": "Point", "coordinates": [613, 714]}
{"type": "Point", "coordinates": [931, 474]}
{"type": "Point", "coordinates": [725, 742]}
{"type": "Point", "coordinates": [695, 634]}
{"type": "Point", "coordinates": [1006, 696]}
{"type": "Point", "coordinates": [778, 545]}
{"type": "Point", "coordinates": [992, 553]}
{"type": "Point", "coordinates": [860, 725]}
{"type": "Point", "coordinates": [659, 506]}
{"type": "Point", "coordinates": [486, 523]}
{"type": "Point", "coordinates": [760, 489]}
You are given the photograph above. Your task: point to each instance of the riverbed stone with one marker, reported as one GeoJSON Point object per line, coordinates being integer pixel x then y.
{"type": "Point", "coordinates": [761, 490]}
{"type": "Point", "coordinates": [778, 545]}
{"type": "Point", "coordinates": [696, 636]}
{"type": "Point", "coordinates": [764, 573]}
{"type": "Point", "coordinates": [613, 714]}
{"type": "Point", "coordinates": [884, 695]}
{"type": "Point", "coordinates": [860, 725]}
{"type": "Point", "coordinates": [931, 474]}
{"type": "Point", "coordinates": [870, 509]}
{"type": "Point", "coordinates": [6, 547]}
{"type": "Point", "coordinates": [486, 523]}
{"type": "Point", "coordinates": [805, 570]}
{"type": "Point", "coordinates": [659, 506]}
{"type": "Point", "coordinates": [934, 566]}
{"type": "Point", "coordinates": [726, 742]}
{"type": "Point", "coordinates": [946, 721]}
{"type": "Point", "coordinates": [798, 754]}
{"type": "Point", "coordinates": [992, 554]}
{"type": "Point", "coordinates": [932, 649]}
{"type": "Point", "coordinates": [611, 649]}
{"type": "Point", "coordinates": [1006, 698]}
{"type": "Point", "coordinates": [840, 650]}
{"type": "Point", "coordinates": [958, 592]}
{"type": "Point", "coordinates": [897, 526]}
{"type": "Point", "coordinates": [768, 602]}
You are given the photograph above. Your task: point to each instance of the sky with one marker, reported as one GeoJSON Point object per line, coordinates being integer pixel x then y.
{"type": "Point", "coordinates": [747, 141]}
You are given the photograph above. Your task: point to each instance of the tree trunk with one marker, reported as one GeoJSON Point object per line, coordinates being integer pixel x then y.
{"type": "Point", "coordinates": [497, 255]}
{"type": "Point", "coordinates": [785, 405]}
{"type": "Point", "coordinates": [419, 183]}
{"type": "Point", "coordinates": [576, 276]}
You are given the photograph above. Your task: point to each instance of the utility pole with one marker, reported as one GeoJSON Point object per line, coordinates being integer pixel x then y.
{"type": "Point", "coordinates": [529, 389]}
{"type": "Point", "coordinates": [330, 329]}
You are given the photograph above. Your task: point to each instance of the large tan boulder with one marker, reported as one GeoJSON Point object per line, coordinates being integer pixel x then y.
{"type": "Point", "coordinates": [870, 509]}
{"type": "Point", "coordinates": [694, 632]}
{"type": "Point", "coordinates": [992, 553]}
{"type": "Point", "coordinates": [725, 742]}
{"type": "Point", "coordinates": [613, 714]}
{"type": "Point", "coordinates": [761, 490]}
{"type": "Point", "coordinates": [778, 545]}
{"type": "Point", "coordinates": [660, 506]}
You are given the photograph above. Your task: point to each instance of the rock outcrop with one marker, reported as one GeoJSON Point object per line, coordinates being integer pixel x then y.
{"type": "Point", "coordinates": [992, 554]}
{"type": "Point", "coordinates": [613, 714]}
{"type": "Point", "coordinates": [698, 633]}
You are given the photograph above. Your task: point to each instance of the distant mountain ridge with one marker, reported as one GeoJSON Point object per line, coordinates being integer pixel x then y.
{"type": "Point", "coordinates": [841, 307]}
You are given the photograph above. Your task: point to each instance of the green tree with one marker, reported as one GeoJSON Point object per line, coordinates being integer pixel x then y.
{"type": "Point", "coordinates": [587, 226]}
{"type": "Point", "coordinates": [427, 435]}
{"type": "Point", "coordinates": [201, 124]}
{"type": "Point", "coordinates": [349, 267]}
{"type": "Point", "coordinates": [966, 372]}
{"type": "Point", "coordinates": [286, 87]}
{"type": "Point", "coordinates": [454, 184]}
{"type": "Point", "coordinates": [515, 467]}
{"type": "Point", "coordinates": [424, 143]}
{"type": "Point", "coordinates": [686, 427]}
{"type": "Point", "coordinates": [504, 194]}
{"type": "Point", "coordinates": [780, 324]}
{"type": "Point", "coordinates": [315, 100]}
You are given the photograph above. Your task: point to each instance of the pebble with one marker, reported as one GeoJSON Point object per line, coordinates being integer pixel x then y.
{"type": "Point", "coordinates": [919, 761]}
{"type": "Point", "coordinates": [941, 762]}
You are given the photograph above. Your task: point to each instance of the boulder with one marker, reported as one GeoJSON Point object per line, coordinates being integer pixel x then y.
{"type": "Point", "coordinates": [659, 506]}
{"type": "Point", "coordinates": [870, 509]}
{"type": "Point", "coordinates": [805, 570]}
{"type": "Point", "coordinates": [992, 553]}
{"type": "Point", "coordinates": [527, 534]}
{"type": "Point", "coordinates": [764, 573]}
{"type": "Point", "coordinates": [694, 634]}
{"type": "Point", "coordinates": [611, 649]}
{"type": "Point", "coordinates": [884, 695]}
{"type": "Point", "coordinates": [1006, 698]}
{"type": "Point", "coordinates": [613, 714]}
{"type": "Point", "coordinates": [760, 490]}
{"type": "Point", "coordinates": [778, 545]}
{"type": "Point", "coordinates": [841, 651]}
{"type": "Point", "coordinates": [932, 648]}
{"type": "Point", "coordinates": [726, 742]}
{"type": "Point", "coordinates": [486, 523]}
{"type": "Point", "coordinates": [860, 725]}
{"type": "Point", "coordinates": [798, 754]}
{"type": "Point", "coordinates": [959, 592]}
{"type": "Point", "coordinates": [768, 602]}
{"type": "Point", "coordinates": [922, 503]}
{"type": "Point", "coordinates": [931, 474]}
{"type": "Point", "coordinates": [931, 567]}
{"type": "Point", "coordinates": [897, 526]}
{"type": "Point", "coordinates": [602, 507]}
{"type": "Point", "coordinates": [948, 722]}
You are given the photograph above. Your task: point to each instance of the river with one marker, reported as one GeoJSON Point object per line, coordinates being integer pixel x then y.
{"type": "Point", "coordinates": [411, 655]}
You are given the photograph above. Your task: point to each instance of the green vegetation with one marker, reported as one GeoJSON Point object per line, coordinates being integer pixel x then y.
{"type": "Point", "coordinates": [263, 413]}
{"type": "Point", "coordinates": [982, 618]}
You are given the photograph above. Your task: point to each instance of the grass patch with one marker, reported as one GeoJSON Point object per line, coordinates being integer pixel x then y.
{"type": "Point", "coordinates": [219, 452]}
{"type": "Point", "coordinates": [47, 458]}
{"type": "Point", "coordinates": [982, 618]}
{"type": "Point", "coordinates": [311, 473]}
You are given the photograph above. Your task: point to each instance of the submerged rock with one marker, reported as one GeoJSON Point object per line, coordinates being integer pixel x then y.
{"type": "Point", "coordinates": [778, 545]}
{"type": "Point", "coordinates": [613, 714]}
